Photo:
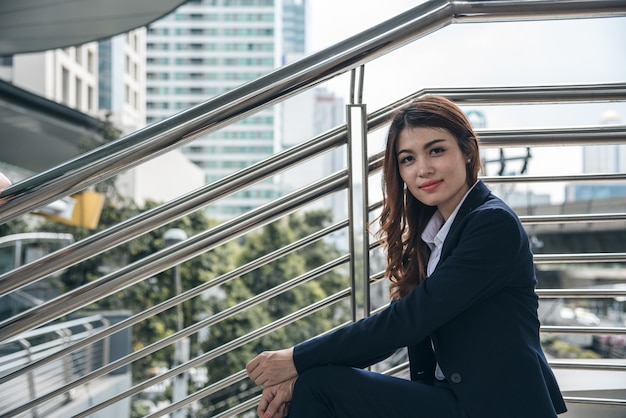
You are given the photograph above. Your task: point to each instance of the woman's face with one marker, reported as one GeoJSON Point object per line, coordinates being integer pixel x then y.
{"type": "Point", "coordinates": [433, 167]}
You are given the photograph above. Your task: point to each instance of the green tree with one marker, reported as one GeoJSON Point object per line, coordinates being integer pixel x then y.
{"type": "Point", "coordinates": [253, 246]}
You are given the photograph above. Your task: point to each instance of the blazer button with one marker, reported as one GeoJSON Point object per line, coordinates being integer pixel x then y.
{"type": "Point", "coordinates": [455, 378]}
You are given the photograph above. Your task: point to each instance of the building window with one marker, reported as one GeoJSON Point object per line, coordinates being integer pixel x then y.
{"type": "Point", "coordinates": [79, 55]}
{"type": "Point", "coordinates": [79, 93]}
{"type": "Point", "coordinates": [90, 62]}
{"type": "Point", "coordinates": [90, 98]}
{"type": "Point", "coordinates": [65, 85]}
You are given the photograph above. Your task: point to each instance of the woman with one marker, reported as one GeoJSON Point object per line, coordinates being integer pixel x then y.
{"type": "Point", "coordinates": [463, 298]}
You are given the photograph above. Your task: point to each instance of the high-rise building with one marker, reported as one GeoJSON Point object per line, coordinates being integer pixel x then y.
{"type": "Point", "coordinates": [294, 26]}
{"type": "Point", "coordinates": [206, 48]}
{"type": "Point", "coordinates": [122, 99]}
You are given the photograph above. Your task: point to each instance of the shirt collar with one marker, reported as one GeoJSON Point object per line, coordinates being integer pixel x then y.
{"type": "Point", "coordinates": [436, 229]}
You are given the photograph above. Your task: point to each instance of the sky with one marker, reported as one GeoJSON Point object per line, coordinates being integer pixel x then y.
{"type": "Point", "coordinates": [487, 54]}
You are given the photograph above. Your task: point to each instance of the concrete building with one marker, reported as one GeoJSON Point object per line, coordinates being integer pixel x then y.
{"type": "Point", "coordinates": [68, 76]}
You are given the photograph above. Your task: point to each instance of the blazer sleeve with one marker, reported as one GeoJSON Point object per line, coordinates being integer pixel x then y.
{"type": "Point", "coordinates": [489, 242]}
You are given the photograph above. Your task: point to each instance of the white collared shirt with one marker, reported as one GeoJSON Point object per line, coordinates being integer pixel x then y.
{"type": "Point", "coordinates": [434, 235]}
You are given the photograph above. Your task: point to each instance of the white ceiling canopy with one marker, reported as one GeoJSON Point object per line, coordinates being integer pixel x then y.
{"type": "Point", "coordinates": [39, 25]}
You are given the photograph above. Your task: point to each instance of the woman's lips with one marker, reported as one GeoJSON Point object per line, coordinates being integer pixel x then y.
{"type": "Point", "coordinates": [430, 185]}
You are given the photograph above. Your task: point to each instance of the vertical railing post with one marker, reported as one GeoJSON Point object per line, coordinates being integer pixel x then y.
{"type": "Point", "coordinates": [89, 356]}
{"type": "Point", "coordinates": [357, 198]}
{"type": "Point", "coordinates": [32, 392]}
{"type": "Point", "coordinates": [66, 340]}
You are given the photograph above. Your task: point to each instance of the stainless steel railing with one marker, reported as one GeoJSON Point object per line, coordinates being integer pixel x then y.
{"type": "Point", "coordinates": [213, 114]}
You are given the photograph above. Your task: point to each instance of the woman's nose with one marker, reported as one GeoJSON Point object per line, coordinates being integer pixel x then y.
{"type": "Point", "coordinates": [423, 169]}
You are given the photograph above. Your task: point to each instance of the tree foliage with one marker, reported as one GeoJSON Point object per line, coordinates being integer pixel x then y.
{"type": "Point", "coordinates": [262, 279]}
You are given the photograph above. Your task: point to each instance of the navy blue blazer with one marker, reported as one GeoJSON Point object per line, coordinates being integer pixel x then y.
{"type": "Point", "coordinates": [479, 308]}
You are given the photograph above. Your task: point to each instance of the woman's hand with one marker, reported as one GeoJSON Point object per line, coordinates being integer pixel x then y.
{"type": "Point", "coordinates": [276, 399]}
{"type": "Point", "coordinates": [272, 367]}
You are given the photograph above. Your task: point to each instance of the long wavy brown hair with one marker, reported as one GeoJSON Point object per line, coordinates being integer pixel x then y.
{"type": "Point", "coordinates": [403, 218]}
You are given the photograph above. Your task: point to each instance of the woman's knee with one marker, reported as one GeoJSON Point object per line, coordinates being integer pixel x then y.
{"type": "Point", "coordinates": [310, 394]}
{"type": "Point", "coordinates": [313, 379]}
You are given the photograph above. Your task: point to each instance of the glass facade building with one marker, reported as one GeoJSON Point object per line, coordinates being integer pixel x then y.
{"type": "Point", "coordinates": [206, 48]}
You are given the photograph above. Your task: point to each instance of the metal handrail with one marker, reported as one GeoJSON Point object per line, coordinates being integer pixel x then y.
{"type": "Point", "coordinates": [213, 114]}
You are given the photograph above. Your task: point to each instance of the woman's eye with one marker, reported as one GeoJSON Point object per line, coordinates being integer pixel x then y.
{"type": "Point", "coordinates": [406, 159]}
{"type": "Point", "coordinates": [436, 151]}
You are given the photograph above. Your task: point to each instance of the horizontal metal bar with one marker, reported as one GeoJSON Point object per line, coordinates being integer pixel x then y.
{"type": "Point", "coordinates": [588, 365]}
{"type": "Point", "coordinates": [552, 179]}
{"type": "Point", "coordinates": [580, 293]}
{"type": "Point", "coordinates": [583, 330]}
{"type": "Point", "coordinates": [595, 401]}
{"type": "Point", "coordinates": [614, 134]}
{"type": "Point", "coordinates": [523, 95]}
{"type": "Point", "coordinates": [507, 11]}
{"type": "Point", "coordinates": [573, 218]}
{"type": "Point", "coordinates": [608, 293]}
{"type": "Point", "coordinates": [580, 258]}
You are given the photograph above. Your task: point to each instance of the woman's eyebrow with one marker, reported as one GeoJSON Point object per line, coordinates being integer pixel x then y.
{"type": "Point", "coordinates": [433, 142]}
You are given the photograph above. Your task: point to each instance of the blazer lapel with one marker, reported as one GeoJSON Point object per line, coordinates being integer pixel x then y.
{"type": "Point", "coordinates": [476, 198]}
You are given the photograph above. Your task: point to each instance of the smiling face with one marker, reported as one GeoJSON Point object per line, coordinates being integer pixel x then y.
{"type": "Point", "coordinates": [432, 166]}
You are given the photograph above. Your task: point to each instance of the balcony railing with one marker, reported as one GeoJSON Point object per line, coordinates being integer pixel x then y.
{"type": "Point", "coordinates": [41, 344]}
{"type": "Point", "coordinates": [349, 56]}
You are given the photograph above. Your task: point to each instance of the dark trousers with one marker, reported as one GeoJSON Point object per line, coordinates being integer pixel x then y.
{"type": "Point", "coordinates": [333, 391]}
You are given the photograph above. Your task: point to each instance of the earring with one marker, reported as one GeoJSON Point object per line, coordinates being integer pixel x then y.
{"type": "Point", "coordinates": [469, 160]}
